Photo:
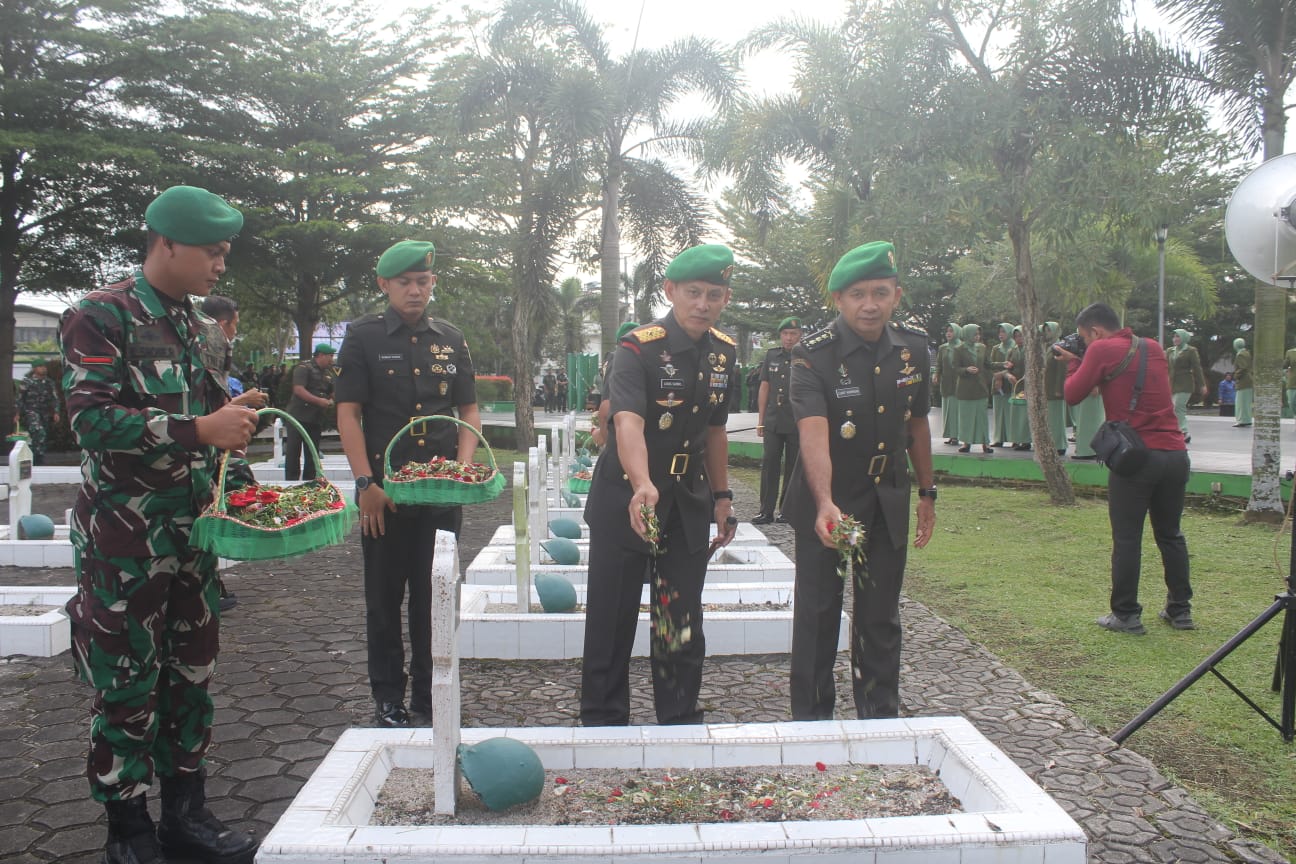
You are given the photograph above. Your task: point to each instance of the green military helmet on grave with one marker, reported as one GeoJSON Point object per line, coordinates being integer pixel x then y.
{"type": "Point", "coordinates": [626, 328]}
{"type": "Point", "coordinates": [35, 526]}
{"type": "Point", "coordinates": [557, 594]}
{"type": "Point", "coordinates": [711, 263]}
{"type": "Point", "coordinates": [193, 216]}
{"type": "Point", "coordinates": [789, 323]}
{"type": "Point", "coordinates": [561, 550]}
{"type": "Point", "coordinates": [569, 499]}
{"type": "Point", "coordinates": [871, 261]}
{"type": "Point", "coordinates": [503, 772]}
{"type": "Point", "coordinates": [569, 529]}
{"type": "Point", "coordinates": [407, 256]}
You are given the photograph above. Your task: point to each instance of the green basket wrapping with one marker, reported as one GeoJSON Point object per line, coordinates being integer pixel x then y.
{"type": "Point", "coordinates": [579, 487]}
{"type": "Point", "coordinates": [306, 517]}
{"type": "Point", "coordinates": [441, 491]}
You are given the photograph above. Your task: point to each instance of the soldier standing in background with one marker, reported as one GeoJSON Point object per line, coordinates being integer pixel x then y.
{"type": "Point", "coordinates": [312, 392]}
{"type": "Point", "coordinates": [38, 408]}
{"type": "Point", "coordinates": [143, 385]}
{"type": "Point", "coordinates": [860, 393]}
{"type": "Point", "coordinates": [775, 424]}
{"type": "Point", "coordinates": [1243, 381]}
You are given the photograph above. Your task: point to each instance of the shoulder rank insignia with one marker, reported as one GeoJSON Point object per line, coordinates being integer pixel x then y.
{"type": "Point", "coordinates": [815, 341]}
{"type": "Point", "coordinates": [722, 336]}
{"type": "Point", "coordinates": [650, 333]}
{"type": "Point", "coordinates": [905, 328]}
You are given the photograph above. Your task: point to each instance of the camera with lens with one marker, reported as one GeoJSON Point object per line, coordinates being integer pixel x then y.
{"type": "Point", "coordinates": [1072, 343]}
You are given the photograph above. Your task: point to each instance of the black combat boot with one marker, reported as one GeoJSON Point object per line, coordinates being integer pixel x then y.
{"type": "Point", "coordinates": [131, 836]}
{"type": "Point", "coordinates": [189, 830]}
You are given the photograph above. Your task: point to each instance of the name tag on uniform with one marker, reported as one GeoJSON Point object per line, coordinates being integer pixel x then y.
{"type": "Point", "coordinates": [773, 367]}
{"type": "Point", "coordinates": [382, 357]}
{"type": "Point", "coordinates": [906, 381]}
{"type": "Point", "coordinates": [847, 392]}
{"type": "Point", "coordinates": [672, 384]}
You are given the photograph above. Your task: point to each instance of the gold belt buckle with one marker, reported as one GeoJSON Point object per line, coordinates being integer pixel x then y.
{"type": "Point", "coordinates": [679, 464]}
{"type": "Point", "coordinates": [877, 465]}
{"type": "Point", "coordinates": [419, 428]}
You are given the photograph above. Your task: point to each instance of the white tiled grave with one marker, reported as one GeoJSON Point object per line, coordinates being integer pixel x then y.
{"type": "Point", "coordinates": [561, 636]}
{"type": "Point", "coordinates": [495, 565]}
{"type": "Point", "coordinates": [1006, 817]}
{"type": "Point", "coordinates": [43, 635]}
{"type": "Point", "coordinates": [746, 534]}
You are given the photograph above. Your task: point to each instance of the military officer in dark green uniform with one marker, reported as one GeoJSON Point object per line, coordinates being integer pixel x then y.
{"type": "Point", "coordinates": [860, 395]}
{"type": "Point", "coordinates": [39, 408]}
{"type": "Point", "coordinates": [144, 391]}
{"type": "Point", "coordinates": [393, 367]}
{"type": "Point", "coordinates": [776, 426]}
{"type": "Point", "coordinates": [672, 384]}
{"type": "Point", "coordinates": [312, 393]}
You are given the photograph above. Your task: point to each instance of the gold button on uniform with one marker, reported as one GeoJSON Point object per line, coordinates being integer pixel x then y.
{"type": "Point", "coordinates": [420, 442]}
{"type": "Point", "coordinates": [391, 371]}
{"type": "Point", "coordinates": [881, 409]}
{"type": "Point", "coordinates": [877, 370]}
{"type": "Point", "coordinates": [418, 371]}
{"type": "Point", "coordinates": [699, 376]}
{"type": "Point", "coordinates": [850, 412]}
{"type": "Point", "coordinates": [695, 409]}
{"type": "Point", "coordinates": [414, 339]}
{"type": "Point", "coordinates": [881, 446]}
{"type": "Point", "coordinates": [418, 406]}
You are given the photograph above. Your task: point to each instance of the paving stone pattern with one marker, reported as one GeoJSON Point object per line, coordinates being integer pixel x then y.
{"type": "Point", "coordinates": [291, 678]}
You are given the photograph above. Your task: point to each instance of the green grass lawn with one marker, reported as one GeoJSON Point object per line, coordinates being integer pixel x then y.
{"type": "Point", "coordinates": [1027, 579]}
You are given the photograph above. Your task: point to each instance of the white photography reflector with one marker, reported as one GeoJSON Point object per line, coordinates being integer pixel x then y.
{"type": "Point", "coordinates": [1260, 222]}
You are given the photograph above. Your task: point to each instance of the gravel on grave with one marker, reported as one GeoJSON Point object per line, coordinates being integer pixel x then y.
{"type": "Point", "coordinates": [633, 796]}
{"type": "Point", "coordinates": [23, 610]}
{"type": "Point", "coordinates": [764, 606]}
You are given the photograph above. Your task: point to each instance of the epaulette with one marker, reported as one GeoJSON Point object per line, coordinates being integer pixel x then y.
{"type": "Point", "coordinates": [371, 318]}
{"type": "Point", "coordinates": [912, 331]}
{"type": "Point", "coordinates": [649, 333]}
{"type": "Point", "coordinates": [815, 341]}
{"type": "Point", "coordinates": [723, 337]}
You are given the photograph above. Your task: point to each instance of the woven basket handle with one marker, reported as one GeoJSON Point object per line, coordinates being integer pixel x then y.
{"type": "Point", "coordinates": [387, 466]}
{"type": "Point", "coordinates": [306, 441]}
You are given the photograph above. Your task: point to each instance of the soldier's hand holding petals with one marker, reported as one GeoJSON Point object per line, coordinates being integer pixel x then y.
{"type": "Point", "coordinates": [229, 428]}
{"type": "Point", "coordinates": [646, 494]}
{"type": "Point", "coordinates": [827, 517]}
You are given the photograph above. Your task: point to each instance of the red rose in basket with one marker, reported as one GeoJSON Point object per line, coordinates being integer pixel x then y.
{"type": "Point", "coordinates": [270, 508]}
{"type": "Point", "coordinates": [441, 468]}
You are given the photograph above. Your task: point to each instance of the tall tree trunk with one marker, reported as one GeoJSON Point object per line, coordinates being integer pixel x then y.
{"type": "Point", "coordinates": [523, 417]}
{"type": "Point", "coordinates": [610, 258]}
{"type": "Point", "coordinates": [1055, 476]}
{"type": "Point", "coordinates": [9, 236]}
{"type": "Point", "coordinates": [1270, 333]}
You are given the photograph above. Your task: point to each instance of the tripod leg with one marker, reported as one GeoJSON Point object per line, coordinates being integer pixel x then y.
{"type": "Point", "coordinates": [1285, 671]}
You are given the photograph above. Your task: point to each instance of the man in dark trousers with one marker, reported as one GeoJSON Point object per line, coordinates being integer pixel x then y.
{"type": "Point", "coordinates": [672, 384]}
{"type": "Point", "coordinates": [312, 392]}
{"type": "Point", "coordinates": [1156, 491]}
{"type": "Point", "coordinates": [776, 426]}
{"type": "Point", "coordinates": [144, 380]}
{"type": "Point", "coordinates": [396, 365]}
{"type": "Point", "coordinates": [860, 395]}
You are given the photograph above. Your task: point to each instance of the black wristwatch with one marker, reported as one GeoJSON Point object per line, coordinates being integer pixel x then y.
{"type": "Point", "coordinates": [927, 493]}
{"type": "Point", "coordinates": [723, 493]}
{"type": "Point", "coordinates": [363, 482]}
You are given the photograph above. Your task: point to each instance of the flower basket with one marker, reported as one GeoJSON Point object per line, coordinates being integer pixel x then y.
{"type": "Point", "coordinates": [443, 482]}
{"type": "Point", "coordinates": [579, 483]}
{"type": "Point", "coordinates": [259, 523]}
{"type": "Point", "coordinates": [1018, 396]}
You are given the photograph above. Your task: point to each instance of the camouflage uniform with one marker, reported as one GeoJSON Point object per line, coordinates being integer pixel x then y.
{"type": "Point", "coordinates": [37, 405]}
{"type": "Point", "coordinates": [138, 368]}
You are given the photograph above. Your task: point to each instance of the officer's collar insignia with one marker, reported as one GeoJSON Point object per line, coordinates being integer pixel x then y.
{"type": "Point", "coordinates": [841, 370]}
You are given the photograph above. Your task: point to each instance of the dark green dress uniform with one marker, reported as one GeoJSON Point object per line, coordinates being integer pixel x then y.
{"type": "Point", "coordinates": [867, 392]}
{"type": "Point", "coordinates": [780, 439]}
{"type": "Point", "coordinates": [396, 373]}
{"type": "Point", "coordinates": [317, 382]}
{"type": "Point", "coordinates": [138, 370]}
{"type": "Point", "coordinates": [680, 388]}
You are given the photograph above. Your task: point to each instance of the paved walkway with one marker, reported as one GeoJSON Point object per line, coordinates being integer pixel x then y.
{"type": "Point", "coordinates": [291, 678]}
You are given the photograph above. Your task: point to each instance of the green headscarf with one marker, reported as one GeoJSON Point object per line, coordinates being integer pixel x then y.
{"type": "Point", "coordinates": [1007, 331]}
{"type": "Point", "coordinates": [1052, 330]}
{"type": "Point", "coordinates": [957, 330]}
{"type": "Point", "coordinates": [1239, 344]}
{"type": "Point", "coordinates": [970, 332]}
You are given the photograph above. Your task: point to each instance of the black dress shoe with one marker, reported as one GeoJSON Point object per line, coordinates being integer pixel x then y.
{"type": "Point", "coordinates": [967, 449]}
{"type": "Point", "coordinates": [782, 520]}
{"type": "Point", "coordinates": [762, 519]}
{"type": "Point", "coordinates": [391, 715]}
{"type": "Point", "coordinates": [420, 717]}
{"type": "Point", "coordinates": [228, 602]}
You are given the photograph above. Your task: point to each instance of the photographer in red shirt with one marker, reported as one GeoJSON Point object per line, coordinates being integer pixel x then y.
{"type": "Point", "coordinates": [1157, 489]}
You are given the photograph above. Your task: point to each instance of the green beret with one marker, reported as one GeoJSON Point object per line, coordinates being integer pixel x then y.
{"type": "Point", "coordinates": [193, 216]}
{"type": "Point", "coordinates": [710, 262]}
{"type": "Point", "coordinates": [870, 261]}
{"type": "Point", "coordinates": [325, 348]}
{"type": "Point", "coordinates": [789, 324]}
{"type": "Point", "coordinates": [626, 328]}
{"type": "Point", "coordinates": [405, 257]}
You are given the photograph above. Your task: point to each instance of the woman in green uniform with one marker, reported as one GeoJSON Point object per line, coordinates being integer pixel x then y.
{"type": "Point", "coordinates": [972, 392]}
{"type": "Point", "coordinates": [1186, 376]}
{"type": "Point", "coordinates": [1245, 383]}
{"type": "Point", "coordinates": [947, 379]}
{"type": "Point", "coordinates": [1055, 369]}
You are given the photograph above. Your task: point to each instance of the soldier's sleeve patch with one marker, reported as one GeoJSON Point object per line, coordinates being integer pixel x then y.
{"type": "Point", "coordinates": [722, 336]}
{"type": "Point", "coordinates": [802, 362]}
{"type": "Point", "coordinates": [815, 341]}
{"type": "Point", "coordinates": [650, 333]}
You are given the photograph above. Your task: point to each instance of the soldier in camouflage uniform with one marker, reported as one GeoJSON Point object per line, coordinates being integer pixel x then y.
{"type": "Point", "coordinates": [143, 387]}
{"type": "Point", "coordinates": [38, 407]}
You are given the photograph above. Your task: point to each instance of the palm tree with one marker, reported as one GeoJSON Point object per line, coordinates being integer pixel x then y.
{"type": "Point", "coordinates": [1250, 60]}
{"type": "Point", "coordinates": [637, 91]}
{"type": "Point", "coordinates": [572, 306]}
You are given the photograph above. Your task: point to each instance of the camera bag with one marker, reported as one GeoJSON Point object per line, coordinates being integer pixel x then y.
{"type": "Point", "coordinates": [1117, 444]}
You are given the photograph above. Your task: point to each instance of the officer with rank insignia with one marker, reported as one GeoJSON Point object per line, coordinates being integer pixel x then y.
{"type": "Point", "coordinates": [860, 395]}
{"type": "Point", "coordinates": [144, 384]}
{"type": "Point", "coordinates": [776, 426]}
{"type": "Point", "coordinates": [393, 367]}
{"type": "Point", "coordinates": [672, 385]}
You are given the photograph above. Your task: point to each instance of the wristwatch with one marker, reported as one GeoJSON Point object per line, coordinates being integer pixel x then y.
{"type": "Point", "coordinates": [363, 482]}
{"type": "Point", "coordinates": [723, 493]}
{"type": "Point", "coordinates": [928, 493]}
